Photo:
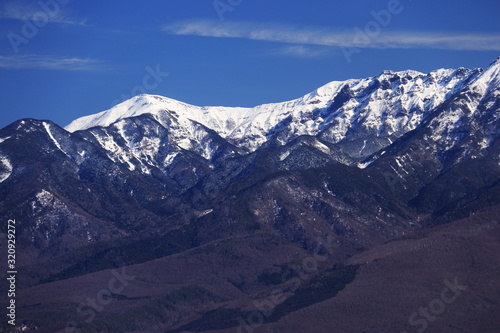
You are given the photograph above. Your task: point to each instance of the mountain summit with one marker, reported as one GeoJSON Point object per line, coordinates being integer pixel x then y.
{"type": "Point", "coordinates": [360, 117]}
{"type": "Point", "coordinates": [383, 107]}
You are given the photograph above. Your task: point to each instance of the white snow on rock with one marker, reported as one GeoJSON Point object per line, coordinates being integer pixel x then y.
{"type": "Point", "coordinates": [358, 110]}
{"type": "Point", "coordinates": [396, 104]}
{"type": "Point", "coordinates": [44, 197]}
{"type": "Point", "coordinates": [56, 142]}
{"type": "Point", "coordinates": [490, 79]}
{"type": "Point", "coordinates": [5, 168]}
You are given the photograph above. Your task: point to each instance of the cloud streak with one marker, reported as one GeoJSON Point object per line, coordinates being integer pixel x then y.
{"type": "Point", "coordinates": [22, 10]}
{"type": "Point", "coordinates": [33, 61]}
{"type": "Point", "coordinates": [301, 51]}
{"type": "Point", "coordinates": [291, 34]}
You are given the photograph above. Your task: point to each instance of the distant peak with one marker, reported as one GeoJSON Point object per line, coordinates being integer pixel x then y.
{"type": "Point", "coordinates": [151, 99]}
{"type": "Point", "coordinates": [496, 62]}
{"type": "Point", "coordinates": [390, 73]}
{"type": "Point", "coordinates": [226, 119]}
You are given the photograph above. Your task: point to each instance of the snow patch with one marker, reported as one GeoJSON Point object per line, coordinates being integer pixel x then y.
{"type": "Point", "coordinates": [325, 185]}
{"type": "Point", "coordinates": [6, 169]}
{"type": "Point", "coordinates": [396, 171]}
{"type": "Point", "coordinates": [400, 165]}
{"type": "Point", "coordinates": [364, 165]}
{"type": "Point", "coordinates": [321, 147]}
{"type": "Point", "coordinates": [205, 212]}
{"type": "Point", "coordinates": [170, 158]}
{"type": "Point", "coordinates": [284, 155]}
{"type": "Point", "coordinates": [44, 197]}
{"type": "Point", "coordinates": [363, 148]}
{"type": "Point", "coordinates": [483, 144]}
{"type": "Point", "coordinates": [47, 128]}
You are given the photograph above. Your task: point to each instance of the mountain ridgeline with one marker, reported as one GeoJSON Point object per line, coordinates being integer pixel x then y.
{"type": "Point", "coordinates": [358, 164]}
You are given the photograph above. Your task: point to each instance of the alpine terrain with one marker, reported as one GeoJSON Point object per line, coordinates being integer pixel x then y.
{"type": "Point", "coordinates": [368, 205]}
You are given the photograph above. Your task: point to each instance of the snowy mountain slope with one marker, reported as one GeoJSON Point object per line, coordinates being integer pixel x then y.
{"type": "Point", "coordinates": [360, 117]}
{"type": "Point", "coordinates": [468, 120]}
{"type": "Point", "coordinates": [386, 107]}
{"type": "Point", "coordinates": [144, 145]}
{"type": "Point", "coordinates": [472, 116]}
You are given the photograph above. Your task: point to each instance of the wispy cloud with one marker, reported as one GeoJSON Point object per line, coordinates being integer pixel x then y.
{"type": "Point", "coordinates": [302, 51]}
{"type": "Point", "coordinates": [34, 61]}
{"type": "Point", "coordinates": [291, 34]}
{"type": "Point", "coordinates": [24, 10]}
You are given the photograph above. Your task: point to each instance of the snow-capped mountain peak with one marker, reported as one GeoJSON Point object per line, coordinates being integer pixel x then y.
{"type": "Point", "coordinates": [364, 114]}
{"type": "Point", "coordinates": [229, 122]}
{"type": "Point", "coordinates": [222, 119]}
{"type": "Point", "coordinates": [489, 78]}
{"type": "Point", "coordinates": [132, 107]}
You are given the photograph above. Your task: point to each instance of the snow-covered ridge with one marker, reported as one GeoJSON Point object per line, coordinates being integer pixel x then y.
{"type": "Point", "coordinates": [142, 104]}
{"type": "Point", "coordinates": [222, 119]}
{"type": "Point", "coordinates": [386, 106]}
{"type": "Point", "coordinates": [232, 123]}
{"type": "Point", "coordinates": [489, 79]}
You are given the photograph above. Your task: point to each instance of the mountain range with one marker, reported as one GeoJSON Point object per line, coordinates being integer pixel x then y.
{"type": "Point", "coordinates": [387, 186]}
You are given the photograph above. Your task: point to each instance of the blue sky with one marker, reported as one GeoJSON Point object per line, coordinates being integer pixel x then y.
{"type": "Point", "coordinates": [62, 59]}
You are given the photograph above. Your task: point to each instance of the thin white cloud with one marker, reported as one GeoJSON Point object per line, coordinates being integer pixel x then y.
{"type": "Point", "coordinates": [33, 61]}
{"type": "Point", "coordinates": [302, 51]}
{"type": "Point", "coordinates": [327, 37]}
{"type": "Point", "coordinates": [32, 11]}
